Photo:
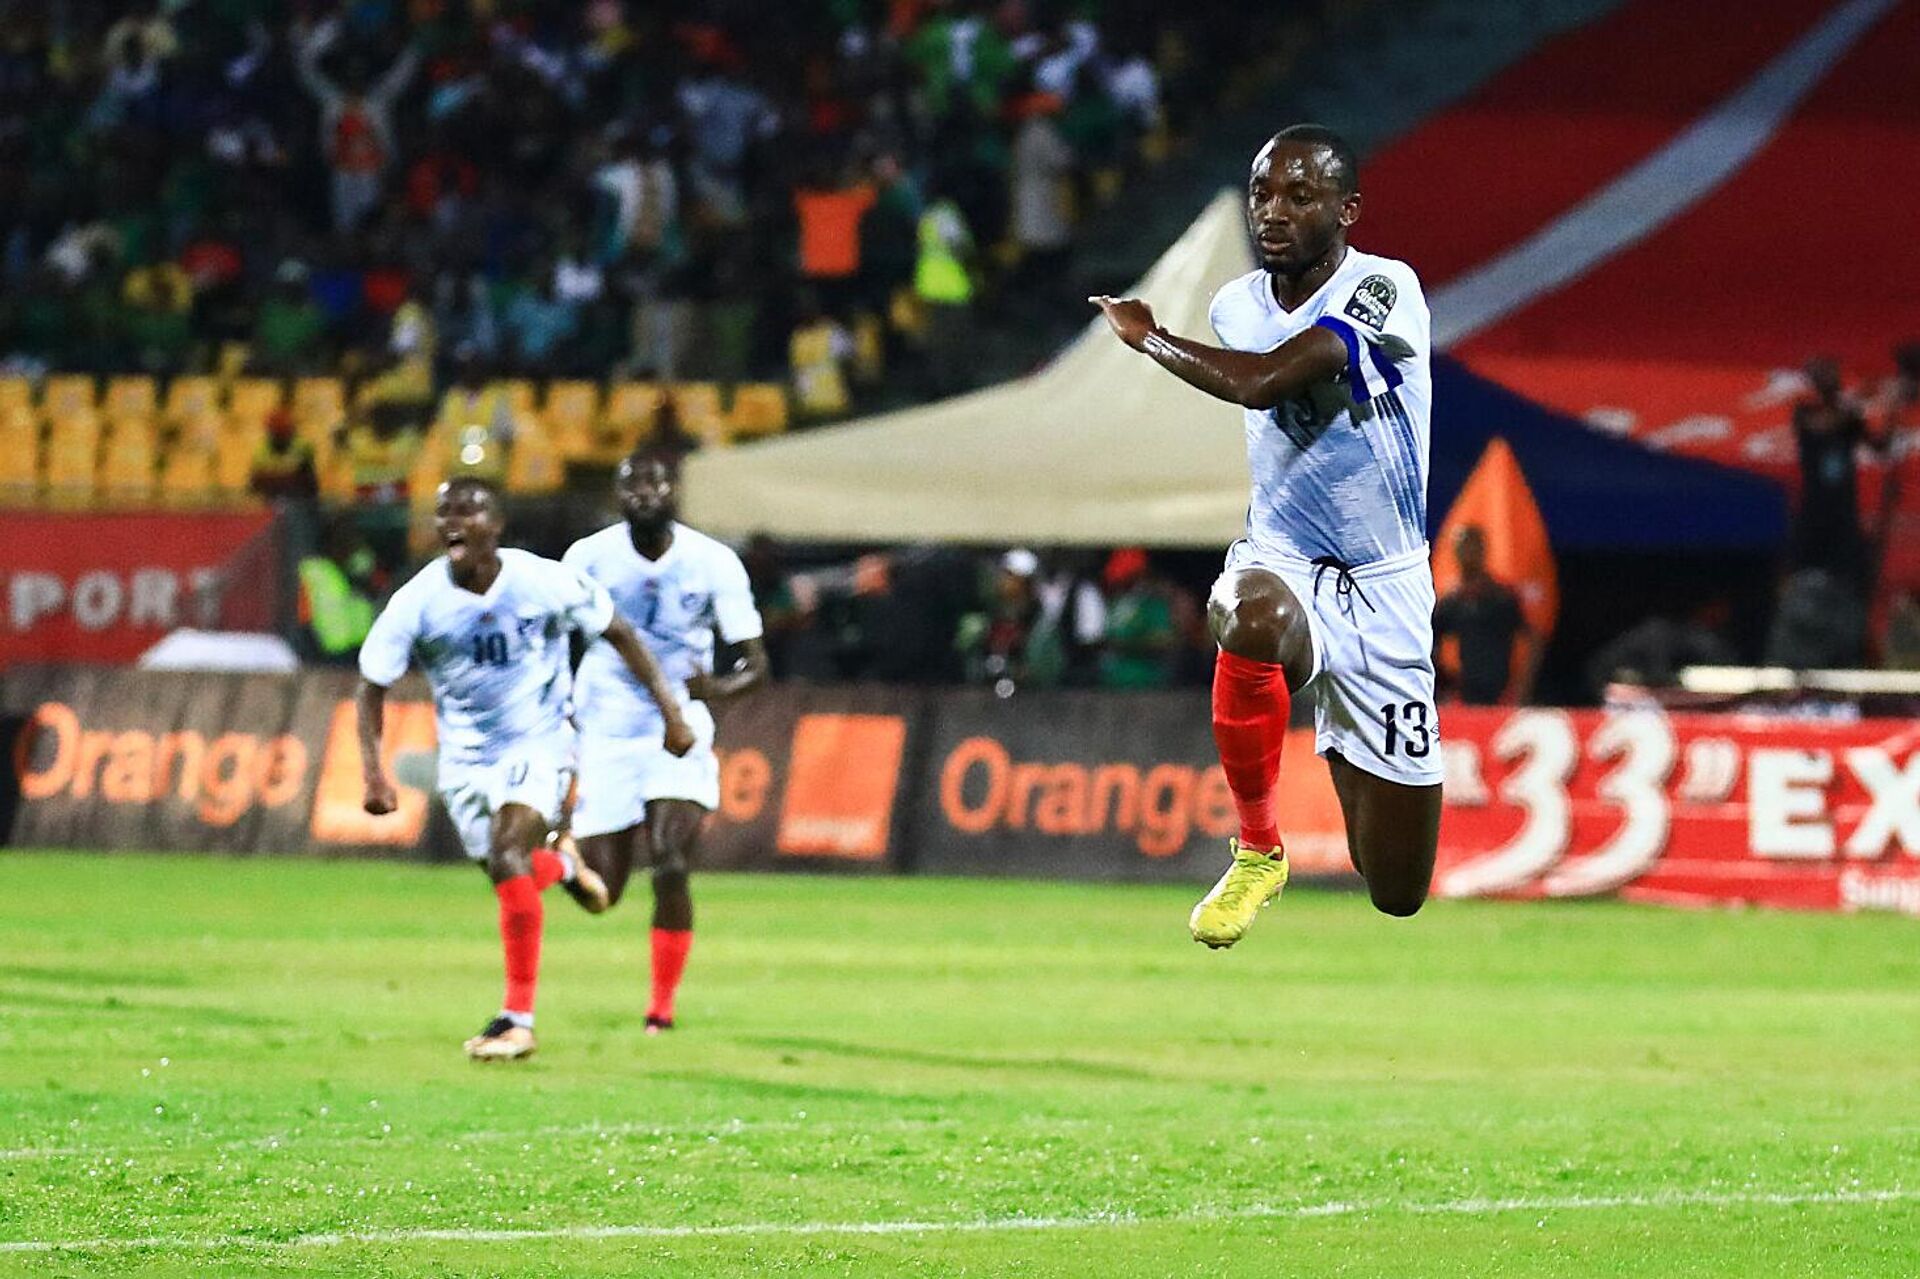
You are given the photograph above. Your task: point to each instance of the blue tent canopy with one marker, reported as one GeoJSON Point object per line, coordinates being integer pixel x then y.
{"type": "Point", "coordinates": [1595, 492]}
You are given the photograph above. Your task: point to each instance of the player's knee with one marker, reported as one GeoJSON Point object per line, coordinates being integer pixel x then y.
{"type": "Point", "coordinates": [1254, 624]}
{"type": "Point", "coordinates": [670, 875]}
{"type": "Point", "coordinates": [1400, 902]}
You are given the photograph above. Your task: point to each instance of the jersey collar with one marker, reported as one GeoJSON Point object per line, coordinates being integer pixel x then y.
{"type": "Point", "coordinates": [1272, 303]}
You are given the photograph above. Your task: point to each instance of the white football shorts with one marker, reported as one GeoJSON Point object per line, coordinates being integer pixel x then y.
{"type": "Point", "coordinates": [535, 771]}
{"type": "Point", "coordinates": [1372, 682]}
{"type": "Point", "coordinates": [621, 775]}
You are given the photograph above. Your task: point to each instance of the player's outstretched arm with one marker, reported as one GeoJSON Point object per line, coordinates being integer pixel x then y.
{"type": "Point", "coordinates": [380, 797]}
{"type": "Point", "coordinates": [639, 660]}
{"type": "Point", "coordinates": [750, 673]}
{"type": "Point", "coordinates": [1255, 379]}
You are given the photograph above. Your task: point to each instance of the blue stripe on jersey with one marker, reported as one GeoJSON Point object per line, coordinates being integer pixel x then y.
{"type": "Point", "coordinates": [1394, 464]}
{"type": "Point", "coordinates": [1356, 380]}
{"type": "Point", "coordinates": [1388, 369]}
{"type": "Point", "coordinates": [1397, 412]}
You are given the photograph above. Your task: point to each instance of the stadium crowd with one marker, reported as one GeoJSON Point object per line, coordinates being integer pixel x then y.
{"type": "Point", "coordinates": [708, 189]}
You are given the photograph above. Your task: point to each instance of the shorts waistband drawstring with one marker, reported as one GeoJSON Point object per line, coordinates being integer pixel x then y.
{"type": "Point", "coordinates": [1344, 583]}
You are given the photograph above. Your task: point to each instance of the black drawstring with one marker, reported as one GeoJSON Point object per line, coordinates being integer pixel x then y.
{"type": "Point", "coordinates": [1344, 582]}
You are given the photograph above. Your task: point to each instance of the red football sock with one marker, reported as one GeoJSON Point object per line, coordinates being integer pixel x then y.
{"type": "Point", "coordinates": [548, 869]}
{"type": "Point", "coordinates": [520, 919]}
{"type": "Point", "coordinates": [1250, 709]}
{"type": "Point", "coordinates": [670, 947]}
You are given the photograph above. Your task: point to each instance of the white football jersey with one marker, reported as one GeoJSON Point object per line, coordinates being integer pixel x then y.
{"type": "Point", "coordinates": [676, 603]}
{"type": "Point", "coordinates": [1342, 470]}
{"type": "Point", "coordinates": [498, 662]}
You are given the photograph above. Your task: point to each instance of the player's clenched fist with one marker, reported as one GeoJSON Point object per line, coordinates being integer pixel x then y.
{"type": "Point", "coordinates": [679, 738]}
{"type": "Point", "coordinates": [1131, 319]}
{"type": "Point", "coordinates": [381, 798]}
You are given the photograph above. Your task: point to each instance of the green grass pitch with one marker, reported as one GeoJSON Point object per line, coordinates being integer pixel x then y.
{"type": "Point", "coordinates": [240, 1068]}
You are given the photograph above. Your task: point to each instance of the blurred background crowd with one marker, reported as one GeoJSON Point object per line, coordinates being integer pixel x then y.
{"type": "Point", "coordinates": [326, 252]}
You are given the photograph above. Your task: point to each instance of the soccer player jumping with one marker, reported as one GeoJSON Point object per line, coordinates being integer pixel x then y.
{"type": "Point", "coordinates": [640, 805]}
{"type": "Point", "coordinates": [1329, 591]}
{"type": "Point", "coordinates": [490, 627]}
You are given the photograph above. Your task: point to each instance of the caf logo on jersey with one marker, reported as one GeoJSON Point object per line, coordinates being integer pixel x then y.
{"type": "Point", "coordinates": [1372, 301]}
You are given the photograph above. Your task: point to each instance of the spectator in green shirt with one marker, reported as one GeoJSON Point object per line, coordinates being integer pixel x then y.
{"type": "Point", "coordinates": [1141, 633]}
{"type": "Point", "coordinates": [290, 326]}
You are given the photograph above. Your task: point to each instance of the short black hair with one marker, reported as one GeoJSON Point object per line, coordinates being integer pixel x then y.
{"type": "Point", "coordinates": [479, 483]}
{"type": "Point", "coordinates": [1346, 163]}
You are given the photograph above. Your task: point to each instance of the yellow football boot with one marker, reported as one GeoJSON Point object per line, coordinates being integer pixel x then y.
{"type": "Point", "coordinates": [1224, 914]}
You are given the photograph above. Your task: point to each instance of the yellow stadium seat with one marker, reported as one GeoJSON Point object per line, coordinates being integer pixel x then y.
{"type": "Point", "coordinates": [697, 406]}
{"type": "Point", "coordinates": [255, 397]}
{"type": "Point", "coordinates": [188, 478]}
{"type": "Point", "coordinates": [535, 465]}
{"type": "Point", "coordinates": [72, 471]}
{"type": "Point", "coordinates": [191, 397]}
{"type": "Point", "coordinates": [67, 395]}
{"type": "Point", "coordinates": [319, 399]}
{"type": "Point", "coordinates": [632, 409]}
{"type": "Point", "coordinates": [569, 414]}
{"type": "Point", "coordinates": [74, 433]}
{"type": "Point", "coordinates": [230, 462]}
{"type": "Point", "coordinates": [15, 393]}
{"type": "Point", "coordinates": [127, 465]}
{"type": "Point", "coordinates": [19, 457]}
{"type": "Point", "coordinates": [131, 397]}
{"type": "Point", "coordinates": [759, 408]}
{"type": "Point", "coordinates": [200, 430]}
{"type": "Point", "coordinates": [520, 397]}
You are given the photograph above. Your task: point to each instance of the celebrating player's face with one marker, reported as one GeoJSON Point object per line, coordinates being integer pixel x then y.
{"type": "Point", "coordinates": [645, 488]}
{"type": "Point", "coordinates": [1295, 207]}
{"type": "Point", "coordinates": [467, 522]}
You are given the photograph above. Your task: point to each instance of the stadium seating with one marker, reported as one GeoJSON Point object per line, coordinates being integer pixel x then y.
{"type": "Point", "coordinates": [536, 465]}
{"type": "Point", "coordinates": [189, 398]}
{"type": "Point", "coordinates": [19, 456]}
{"type": "Point", "coordinates": [15, 393]}
{"type": "Point", "coordinates": [697, 406]}
{"type": "Point", "coordinates": [72, 459]}
{"type": "Point", "coordinates": [253, 398]}
{"type": "Point", "coordinates": [318, 403]}
{"type": "Point", "coordinates": [193, 439]}
{"type": "Point", "coordinates": [67, 395]}
{"type": "Point", "coordinates": [127, 463]}
{"type": "Point", "coordinates": [187, 478]}
{"type": "Point", "coordinates": [130, 397]}
{"type": "Point", "coordinates": [571, 410]}
{"type": "Point", "coordinates": [759, 408]}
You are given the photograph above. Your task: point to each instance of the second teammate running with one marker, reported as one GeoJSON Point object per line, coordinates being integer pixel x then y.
{"type": "Point", "coordinates": [640, 805]}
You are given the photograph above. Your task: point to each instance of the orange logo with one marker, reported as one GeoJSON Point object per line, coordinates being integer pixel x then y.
{"type": "Point", "coordinates": [338, 817]}
{"type": "Point", "coordinates": [840, 786]}
{"type": "Point", "coordinates": [221, 778]}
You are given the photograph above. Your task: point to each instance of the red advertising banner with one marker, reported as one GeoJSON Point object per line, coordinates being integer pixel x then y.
{"type": "Point", "coordinates": [105, 588]}
{"type": "Point", "coordinates": [1680, 808]}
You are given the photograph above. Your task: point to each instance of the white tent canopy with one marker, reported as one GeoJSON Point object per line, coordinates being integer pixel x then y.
{"type": "Point", "coordinates": [1101, 447]}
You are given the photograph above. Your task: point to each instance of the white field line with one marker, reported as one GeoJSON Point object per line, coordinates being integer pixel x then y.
{"type": "Point", "coordinates": [988, 1225]}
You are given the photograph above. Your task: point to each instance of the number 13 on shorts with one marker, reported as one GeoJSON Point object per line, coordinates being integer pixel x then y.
{"type": "Point", "coordinates": [1408, 728]}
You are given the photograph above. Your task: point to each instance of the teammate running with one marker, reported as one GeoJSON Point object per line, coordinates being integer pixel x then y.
{"type": "Point", "coordinates": [490, 628]}
{"type": "Point", "coordinates": [640, 805]}
{"type": "Point", "coordinates": [1327, 349]}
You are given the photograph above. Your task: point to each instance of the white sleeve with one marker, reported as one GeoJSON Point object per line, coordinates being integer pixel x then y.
{"type": "Point", "coordinates": [584, 603]}
{"type": "Point", "coordinates": [1384, 323]}
{"type": "Point", "coordinates": [388, 648]}
{"type": "Point", "coordinates": [733, 610]}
